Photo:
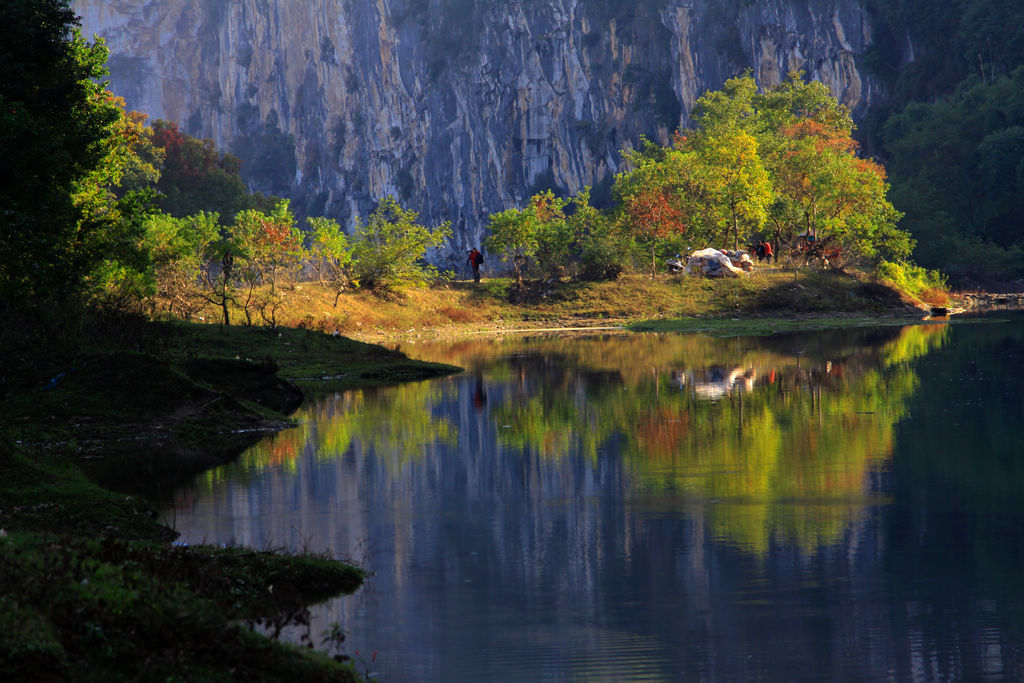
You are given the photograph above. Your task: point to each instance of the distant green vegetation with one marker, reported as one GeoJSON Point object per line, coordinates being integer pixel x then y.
{"type": "Point", "coordinates": [952, 130]}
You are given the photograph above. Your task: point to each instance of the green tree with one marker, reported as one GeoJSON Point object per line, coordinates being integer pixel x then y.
{"type": "Point", "coordinates": [796, 100]}
{"type": "Point", "coordinates": [735, 183]}
{"type": "Point", "coordinates": [786, 155]}
{"type": "Point", "coordinates": [659, 195]}
{"type": "Point", "coordinates": [268, 251]}
{"type": "Point", "coordinates": [181, 249]}
{"type": "Point", "coordinates": [142, 166]}
{"type": "Point", "coordinates": [554, 237]}
{"type": "Point", "coordinates": [388, 250]}
{"type": "Point", "coordinates": [195, 176]}
{"type": "Point", "coordinates": [822, 187]}
{"type": "Point", "coordinates": [602, 250]}
{"type": "Point", "coordinates": [116, 199]}
{"type": "Point", "coordinates": [56, 121]}
{"type": "Point", "coordinates": [556, 240]}
{"type": "Point", "coordinates": [540, 235]}
{"type": "Point", "coordinates": [729, 109]}
{"type": "Point", "coordinates": [514, 237]}
{"type": "Point", "coordinates": [330, 254]}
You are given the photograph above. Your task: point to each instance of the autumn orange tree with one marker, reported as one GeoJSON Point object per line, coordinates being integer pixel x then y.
{"type": "Point", "coordinates": [830, 193]}
{"type": "Point", "coordinates": [783, 156]}
{"type": "Point", "coordinates": [657, 195]}
{"type": "Point", "coordinates": [823, 187]}
{"type": "Point", "coordinates": [195, 176]}
{"type": "Point", "coordinates": [267, 250]}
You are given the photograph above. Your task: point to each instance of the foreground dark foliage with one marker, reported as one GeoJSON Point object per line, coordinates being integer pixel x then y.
{"type": "Point", "coordinates": [122, 610]}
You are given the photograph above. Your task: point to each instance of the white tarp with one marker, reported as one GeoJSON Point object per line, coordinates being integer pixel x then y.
{"type": "Point", "coordinates": [714, 263]}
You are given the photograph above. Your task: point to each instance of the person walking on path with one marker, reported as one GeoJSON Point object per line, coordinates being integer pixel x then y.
{"type": "Point", "coordinates": [476, 259]}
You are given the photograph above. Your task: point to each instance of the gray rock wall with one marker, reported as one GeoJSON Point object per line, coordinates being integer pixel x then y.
{"type": "Point", "coordinates": [458, 108]}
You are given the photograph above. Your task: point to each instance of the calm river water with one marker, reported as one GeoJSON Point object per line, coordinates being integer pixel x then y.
{"type": "Point", "coordinates": [844, 505]}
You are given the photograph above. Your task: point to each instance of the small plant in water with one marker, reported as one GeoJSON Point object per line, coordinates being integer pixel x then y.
{"type": "Point", "coordinates": [333, 639]}
{"type": "Point", "coordinates": [367, 666]}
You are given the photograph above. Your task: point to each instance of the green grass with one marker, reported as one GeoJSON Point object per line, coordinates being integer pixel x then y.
{"type": "Point", "coordinates": [190, 384]}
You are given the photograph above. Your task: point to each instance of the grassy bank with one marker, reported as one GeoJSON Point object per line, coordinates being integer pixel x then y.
{"type": "Point", "coordinates": [99, 424]}
{"type": "Point", "coordinates": [459, 308]}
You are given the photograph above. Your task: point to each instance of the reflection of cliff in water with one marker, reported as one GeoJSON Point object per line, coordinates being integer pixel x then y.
{"type": "Point", "coordinates": [754, 429]}
{"type": "Point", "coordinates": [734, 538]}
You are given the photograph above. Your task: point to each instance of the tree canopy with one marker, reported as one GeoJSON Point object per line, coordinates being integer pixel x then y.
{"type": "Point", "coordinates": [780, 163]}
{"type": "Point", "coordinates": [949, 131]}
{"type": "Point", "coordinates": [58, 130]}
{"type": "Point", "coordinates": [195, 176]}
{"type": "Point", "coordinates": [958, 173]}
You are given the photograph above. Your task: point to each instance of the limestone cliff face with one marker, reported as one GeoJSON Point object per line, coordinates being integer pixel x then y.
{"type": "Point", "coordinates": [458, 108]}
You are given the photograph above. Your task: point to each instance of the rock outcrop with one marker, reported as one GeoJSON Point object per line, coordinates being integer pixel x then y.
{"type": "Point", "coordinates": [458, 108]}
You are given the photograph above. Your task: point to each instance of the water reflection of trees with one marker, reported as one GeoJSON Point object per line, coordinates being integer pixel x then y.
{"type": "Point", "coordinates": [739, 523]}
{"type": "Point", "coordinates": [398, 424]}
{"type": "Point", "coordinates": [756, 428]}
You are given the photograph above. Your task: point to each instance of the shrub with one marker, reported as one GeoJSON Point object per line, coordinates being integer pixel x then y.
{"type": "Point", "coordinates": [388, 250]}
{"type": "Point", "coordinates": [602, 259]}
{"type": "Point", "coordinates": [927, 285]}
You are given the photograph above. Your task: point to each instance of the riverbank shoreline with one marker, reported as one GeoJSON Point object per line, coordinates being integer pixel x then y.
{"type": "Point", "coordinates": [454, 310]}
{"type": "Point", "coordinates": [93, 440]}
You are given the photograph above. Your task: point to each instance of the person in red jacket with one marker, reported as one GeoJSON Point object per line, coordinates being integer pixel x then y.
{"type": "Point", "coordinates": [476, 259]}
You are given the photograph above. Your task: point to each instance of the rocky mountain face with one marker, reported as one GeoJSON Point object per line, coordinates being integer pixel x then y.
{"type": "Point", "coordinates": [458, 108]}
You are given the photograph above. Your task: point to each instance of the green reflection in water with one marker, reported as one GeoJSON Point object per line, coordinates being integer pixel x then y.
{"type": "Point", "coordinates": [780, 445]}
{"type": "Point", "coordinates": [772, 439]}
{"type": "Point", "coordinates": [397, 423]}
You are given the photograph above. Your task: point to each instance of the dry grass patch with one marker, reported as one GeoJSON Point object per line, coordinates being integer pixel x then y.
{"type": "Point", "coordinates": [453, 308]}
